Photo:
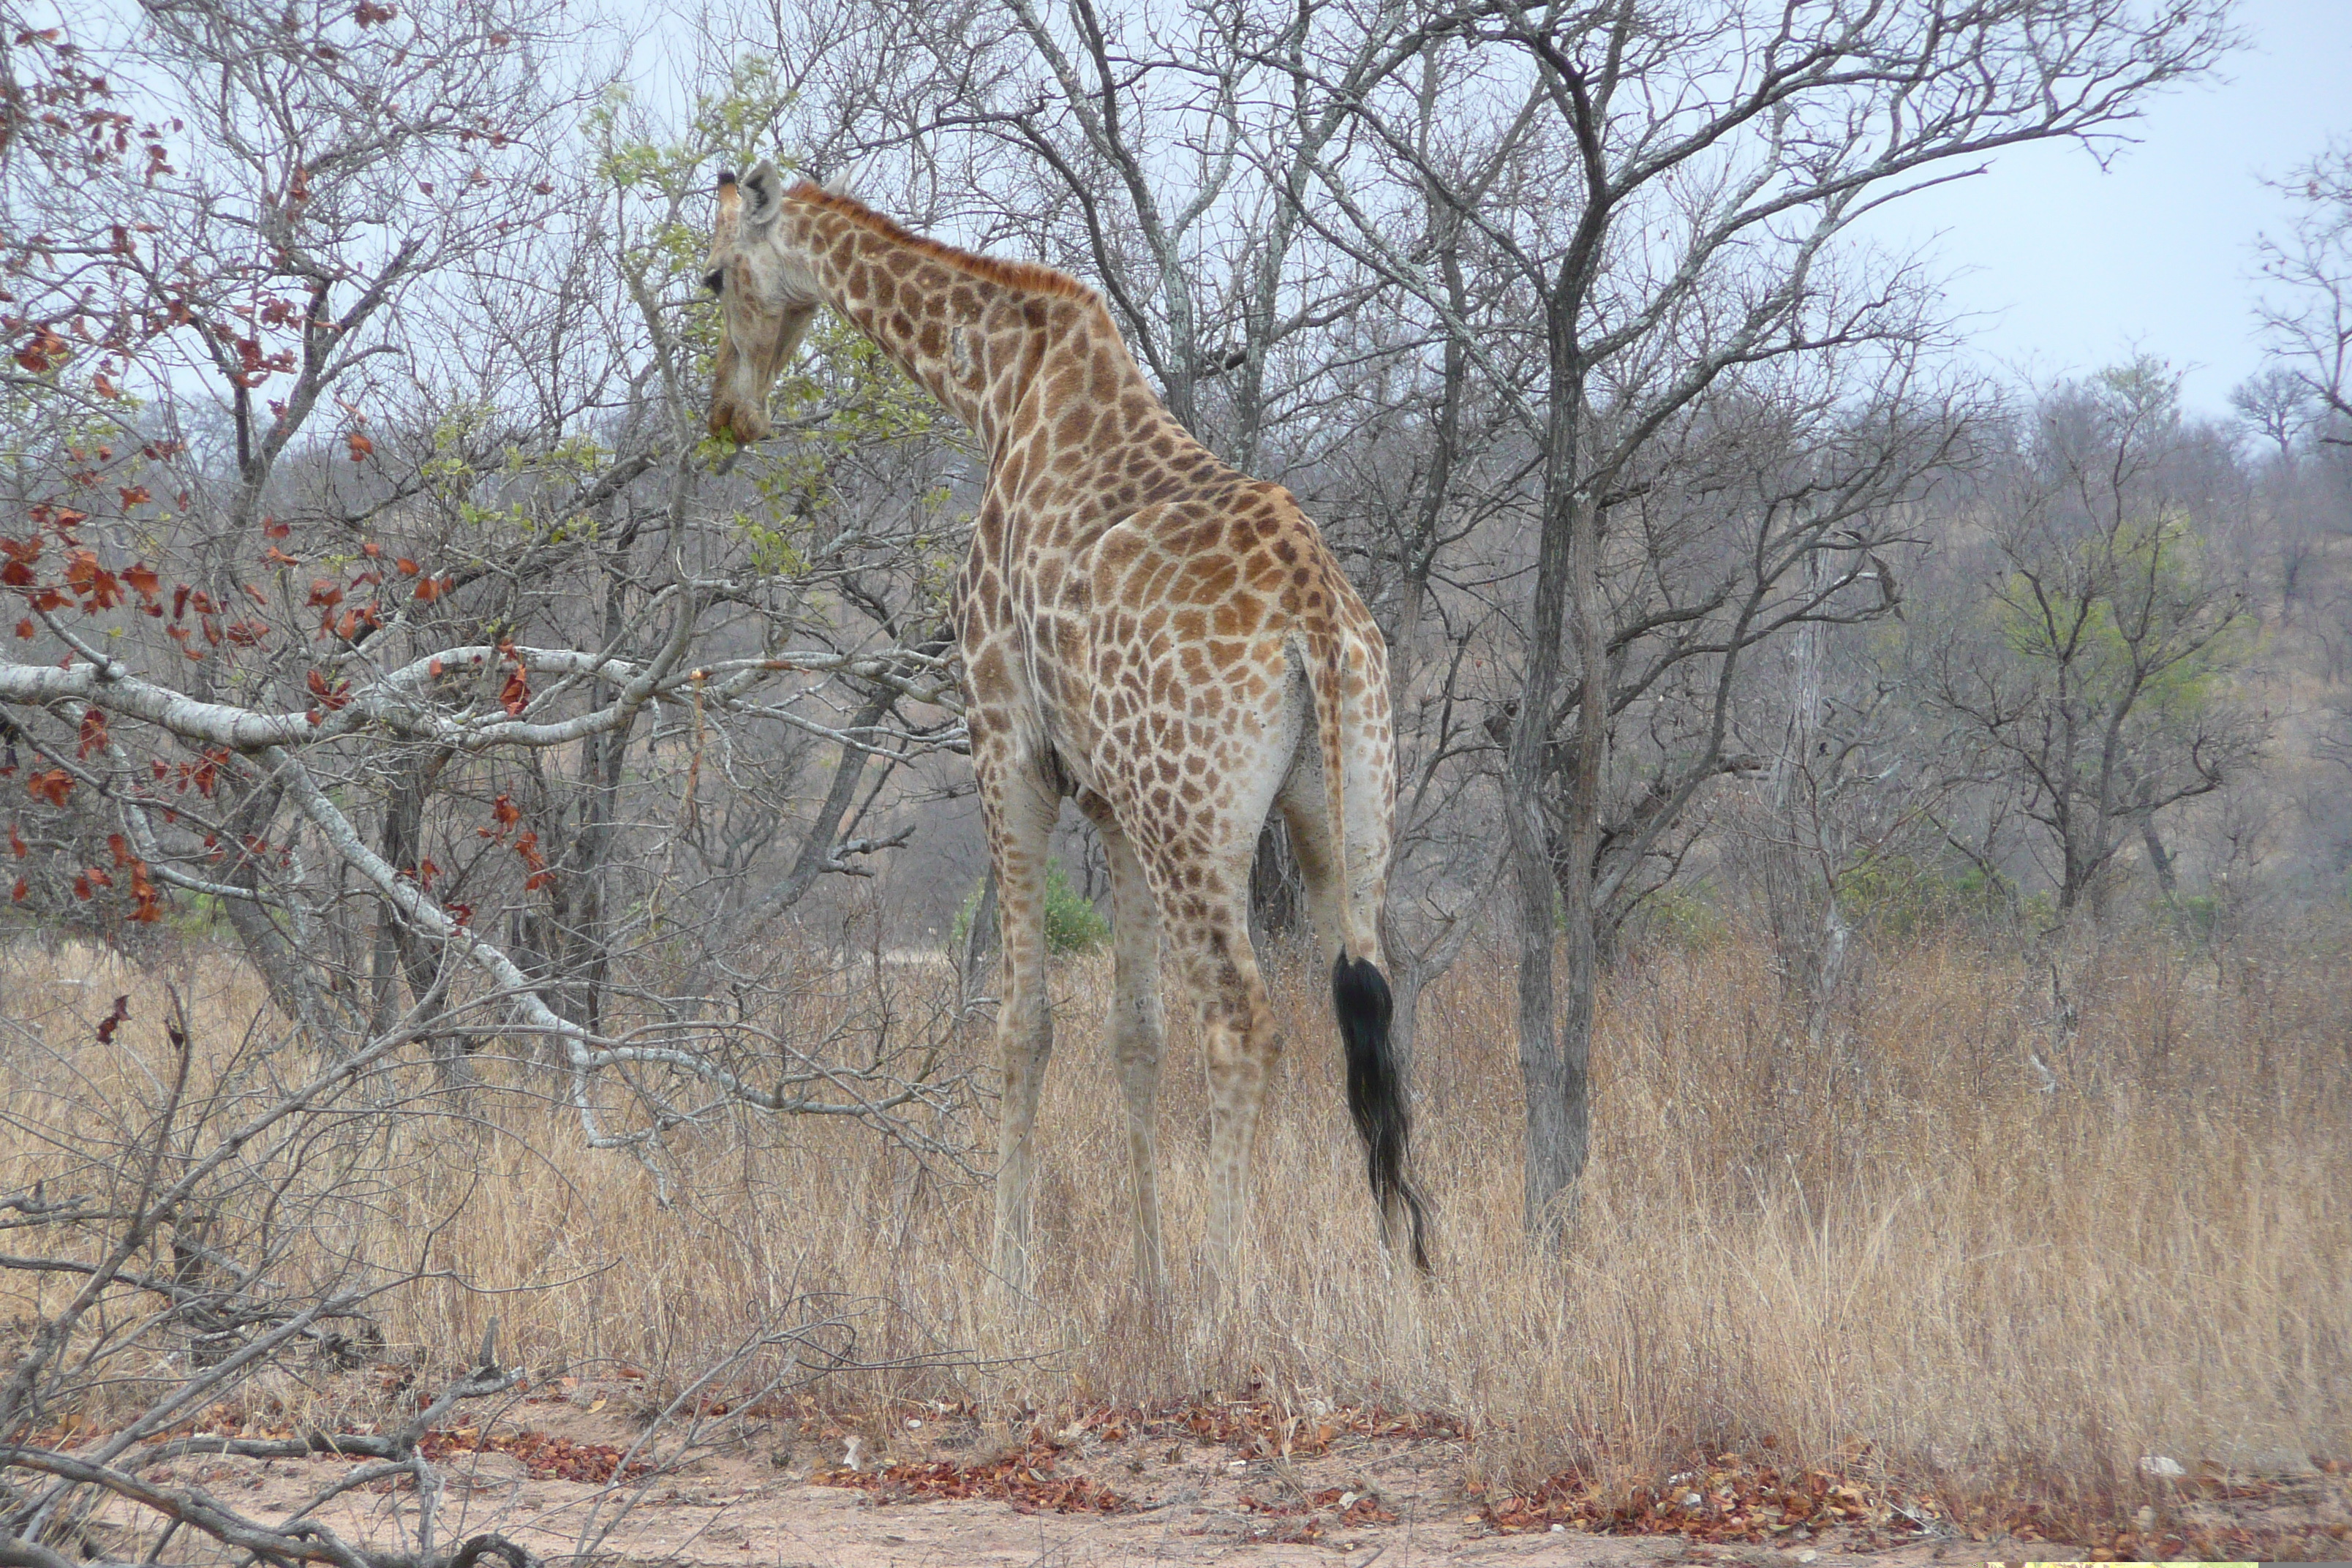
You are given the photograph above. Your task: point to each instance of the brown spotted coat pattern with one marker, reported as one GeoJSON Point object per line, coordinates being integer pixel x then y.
{"type": "Point", "coordinates": [1144, 629]}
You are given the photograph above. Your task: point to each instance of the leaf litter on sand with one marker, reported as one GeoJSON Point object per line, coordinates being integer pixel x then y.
{"type": "Point", "coordinates": [1734, 1498]}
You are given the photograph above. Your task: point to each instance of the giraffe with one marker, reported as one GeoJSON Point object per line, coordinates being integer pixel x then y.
{"type": "Point", "coordinates": [1142, 628]}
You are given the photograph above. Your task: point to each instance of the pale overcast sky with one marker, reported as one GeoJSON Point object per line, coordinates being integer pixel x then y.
{"type": "Point", "coordinates": [2070, 269]}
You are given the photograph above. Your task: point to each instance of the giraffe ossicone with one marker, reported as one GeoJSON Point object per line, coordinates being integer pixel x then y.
{"type": "Point", "coordinates": [1144, 629]}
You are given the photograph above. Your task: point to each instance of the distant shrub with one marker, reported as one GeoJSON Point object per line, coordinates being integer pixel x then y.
{"type": "Point", "coordinates": [1687, 917]}
{"type": "Point", "coordinates": [1903, 895]}
{"type": "Point", "coordinates": [1073, 924]}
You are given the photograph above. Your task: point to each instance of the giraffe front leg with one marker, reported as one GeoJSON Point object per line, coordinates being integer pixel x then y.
{"type": "Point", "coordinates": [1020, 820]}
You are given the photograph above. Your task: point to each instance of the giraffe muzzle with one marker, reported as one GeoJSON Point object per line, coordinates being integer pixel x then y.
{"type": "Point", "coordinates": [742, 426]}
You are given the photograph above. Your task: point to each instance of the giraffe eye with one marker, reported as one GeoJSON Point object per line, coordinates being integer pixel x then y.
{"type": "Point", "coordinates": [713, 279]}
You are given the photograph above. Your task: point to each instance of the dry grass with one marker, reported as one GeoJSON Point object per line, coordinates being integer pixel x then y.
{"type": "Point", "coordinates": [1891, 1237]}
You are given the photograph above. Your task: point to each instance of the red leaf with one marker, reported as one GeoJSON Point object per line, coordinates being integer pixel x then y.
{"type": "Point", "coordinates": [16, 842]}
{"type": "Point", "coordinates": [52, 787]}
{"type": "Point", "coordinates": [93, 732]}
{"type": "Point", "coordinates": [277, 557]}
{"type": "Point", "coordinates": [408, 568]}
{"type": "Point", "coordinates": [334, 696]}
{"type": "Point", "coordinates": [96, 586]}
{"type": "Point", "coordinates": [25, 627]}
{"type": "Point", "coordinates": [142, 580]}
{"type": "Point", "coordinates": [360, 447]}
{"type": "Point", "coordinates": [18, 895]}
{"type": "Point", "coordinates": [516, 696]}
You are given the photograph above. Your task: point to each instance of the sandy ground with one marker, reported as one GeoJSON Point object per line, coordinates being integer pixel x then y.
{"type": "Point", "coordinates": [770, 1492]}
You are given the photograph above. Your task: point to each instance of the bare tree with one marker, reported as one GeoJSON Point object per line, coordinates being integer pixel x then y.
{"type": "Point", "coordinates": [377, 591]}
{"type": "Point", "coordinates": [2099, 688]}
{"type": "Point", "coordinates": [2309, 321]}
{"type": "Point", "coordinates": [1706, 161]}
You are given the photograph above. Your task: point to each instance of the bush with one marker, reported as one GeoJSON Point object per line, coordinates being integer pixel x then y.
{"type": "Point", "coordinates": [1902, 895]}
{"type": "Point", "coordinates": [1073, 924]}
{"type": "Point", "coordinates": [1685, 917]}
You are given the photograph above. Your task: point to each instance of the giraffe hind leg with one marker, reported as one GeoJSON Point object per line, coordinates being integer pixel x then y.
{"type": "Point", "coordinates": [1137, 1035]}
{"type": "Point", "coordinates": [1020, 817]}
{"type": "Point", "coordinates": [1210, 941]}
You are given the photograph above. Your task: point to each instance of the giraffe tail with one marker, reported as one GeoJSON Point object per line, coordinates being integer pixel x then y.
{"type": "Point", "coordinates": [1376, 1094]}
{"type": "Point", "coordinates": [1359, 991]}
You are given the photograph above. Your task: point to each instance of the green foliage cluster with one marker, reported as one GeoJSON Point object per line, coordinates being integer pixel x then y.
{"type": "Point", "coordinates": [1686, 917]}
{"type": "Point", "coordinates": [843, 397]}
{"type": "Point", "coordinates": [2131, 622]}
{"type": "Point", "coordinates": [1901, 896]}
{"type": "Point", "coordinates": [1073, 924]}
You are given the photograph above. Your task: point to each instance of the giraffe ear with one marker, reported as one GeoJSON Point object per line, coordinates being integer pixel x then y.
{"type": "Point", "coordinates": [763, 195]}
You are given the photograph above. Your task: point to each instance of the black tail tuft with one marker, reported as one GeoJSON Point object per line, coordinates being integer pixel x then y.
{"type": "Point", "coordinates": [1376, 1099]}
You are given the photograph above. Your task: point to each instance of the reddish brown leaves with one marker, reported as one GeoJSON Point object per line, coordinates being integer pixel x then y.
{"type": "Point", "coordinates": [52, 787]}
{"type": "Point", "coordinates": [528, 848]}
{"type": "Point", "coordinates": [93, 732]}
{"type": "Point", "coordinates": [16, 558]}
{"type": "Point", "coordinates": [516, 695]}
{"type": "Point", "coordinates": [44, 349]}
{"type": "Point", "coordinates": [114, 1020]}
{"type": "Point", "coordinates": [1255, 1429]}
{"type": "Point", "coordinates": [94, 585]}
{"type": "Point", "coordinates": [1301, 1518]}
{"type": "Point", "coordinates": [330, 697]}
{"type": "Point", "coordinates": [1026, 1480]}
{"type": "Point", "coordinates": [548, 1458]}
{"type": "Point", "coordinates": [1730, 1498]}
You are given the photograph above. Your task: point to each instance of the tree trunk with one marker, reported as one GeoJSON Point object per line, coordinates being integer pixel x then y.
{"type": "Point", "coordinates": [1555, 1056]}
{"type": "Point", "coordinates": [1278, 892]}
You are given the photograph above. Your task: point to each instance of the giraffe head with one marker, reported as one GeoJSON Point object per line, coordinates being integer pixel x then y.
{"type": "Point", "coordinates": [766, 298]}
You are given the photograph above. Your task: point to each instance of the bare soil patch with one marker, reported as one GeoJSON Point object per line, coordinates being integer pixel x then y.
{"type": "Point", "coordinates": [567, 1473]}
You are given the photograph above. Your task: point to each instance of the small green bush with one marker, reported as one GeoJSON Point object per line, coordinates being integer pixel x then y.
{"type": "Point", "coordinates": [1684, 917]}
{"type": "Point", "coordinates": [1073, 924]}
{"type": "Point", "coordinates": [1903, 895]}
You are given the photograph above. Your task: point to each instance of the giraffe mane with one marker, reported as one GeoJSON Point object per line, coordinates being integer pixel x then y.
{"type": "Point", "coordinates": [1033, 275]}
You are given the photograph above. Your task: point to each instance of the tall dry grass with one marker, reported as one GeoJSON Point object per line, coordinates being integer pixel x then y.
{"type": "Point", "coordinates": [1892, 1235]}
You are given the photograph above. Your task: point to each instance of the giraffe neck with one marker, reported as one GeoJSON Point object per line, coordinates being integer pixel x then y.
{"type": "Point", "coordinates": [969, 330]}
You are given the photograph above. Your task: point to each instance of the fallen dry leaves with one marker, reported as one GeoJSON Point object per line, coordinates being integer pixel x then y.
{"type": "Point", "coordinates": [1027, 1478]}
{"type": "Point", "coordinates": [547, 1458]}
{"type": "Point", "coordinates": [1735, 1498]}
